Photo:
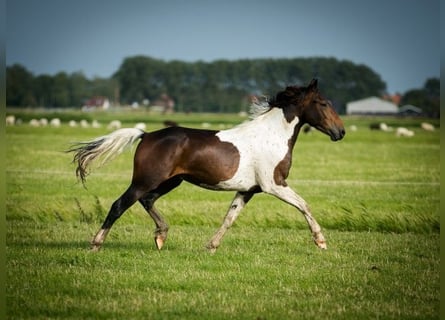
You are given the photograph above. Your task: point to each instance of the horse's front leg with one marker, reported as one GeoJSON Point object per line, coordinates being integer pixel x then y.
{"type": "Point", "coordinates": [286, 194]}
{"type": "Point", "coordinates": [240, 200]}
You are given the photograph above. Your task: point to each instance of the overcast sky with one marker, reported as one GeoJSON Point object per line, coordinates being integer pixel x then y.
{"type": "Point", "coordinates": [398, 39]}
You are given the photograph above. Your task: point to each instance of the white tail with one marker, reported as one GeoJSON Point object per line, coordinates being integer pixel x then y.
{"type": "Point", "coordinates": [106, 148]}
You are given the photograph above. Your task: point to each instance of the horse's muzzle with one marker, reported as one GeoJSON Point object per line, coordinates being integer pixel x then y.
{"type": "Point", "coordinates": [337, 133]}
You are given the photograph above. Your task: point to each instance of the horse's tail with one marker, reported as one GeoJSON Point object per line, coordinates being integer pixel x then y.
{"type": "Point", "coordinates": [106, 148]}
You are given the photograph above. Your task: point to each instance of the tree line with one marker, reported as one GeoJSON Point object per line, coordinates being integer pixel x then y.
{"type": "Point", "coordinates": [62, 90]}
{"type": "Point", "coordinates": [218, 86]}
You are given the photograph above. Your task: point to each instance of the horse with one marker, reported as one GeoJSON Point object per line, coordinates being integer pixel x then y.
{"type": "Point", "coordinates": [249, 158]}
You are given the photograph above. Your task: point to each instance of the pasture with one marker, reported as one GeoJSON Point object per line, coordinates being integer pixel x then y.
{"type": "Point", "coordinates": [375, 195]}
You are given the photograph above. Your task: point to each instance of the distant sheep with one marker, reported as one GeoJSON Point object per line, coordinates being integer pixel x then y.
{"type": "Point", "coordinates": [404, 132]}
{"type": "Point", "coordinates": [380, 126]}
{"type": "Point", "coordinates": [72, 123]}
{"type": "Point", "coordinates": [55, 123]}
{"type": "Point", "coordinates": [95, 124]}
{"type": "Point", "coordinates": [353, 127]}
{"type": "Point", "coordinates": [114, 125]}
{"type": "Point", "coordinates": [385, 127]}
{"type": "Point", "coordinates": [43, 122]}
{"type": "Point", "coordinates": [10, 120]}
{"type": "Point", "coordinates": [34, 123]}
{"type": "Point", "coordinates": [84, 123]}
{"type": "Point", "coordinates": [427, 126]}
{"type": "Point", "coordinates": [374, 126]}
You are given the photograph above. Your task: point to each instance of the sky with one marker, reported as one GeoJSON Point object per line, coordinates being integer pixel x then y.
{"type": "Point", "coordinates": [399, 40]}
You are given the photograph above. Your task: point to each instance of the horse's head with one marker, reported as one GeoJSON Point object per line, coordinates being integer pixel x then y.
{"type": "Point", "coordinates": [310, 107]}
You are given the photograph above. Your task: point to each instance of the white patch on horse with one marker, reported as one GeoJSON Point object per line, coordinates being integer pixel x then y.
{"type": "Point", "coordinates": [262, 144]}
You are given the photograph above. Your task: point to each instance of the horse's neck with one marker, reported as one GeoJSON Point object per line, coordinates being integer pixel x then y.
{"type": "Point", "coordinates": [275, 120]}
{"type": "Point", "coordinates": [270, 127]}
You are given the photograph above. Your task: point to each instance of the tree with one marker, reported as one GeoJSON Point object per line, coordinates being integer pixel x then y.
{"type": "Point", "coordinates": [19, 87]}
{"type": "Point", "coordinates": [219, 86]}
{"type": "Point", "coordinates": [222, 85]}
{"type": "Point", "coordinates": [426, 98]}
{"type": "Point", "coordinates": [43, 85]}
{"type": "Point", "coordinates": [60, 90]}
{"type": "Point", "coordinates": [78, 88]}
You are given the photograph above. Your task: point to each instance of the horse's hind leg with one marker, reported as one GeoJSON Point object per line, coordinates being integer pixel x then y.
{"type": "Point", "coordinates": [125, 201]}
{"type": "Point", "coordinates": [148, 201]}
{"type": "Point", "coordinates": [161, 226]}
{"type": "Point", "coordinates": [240, 200]}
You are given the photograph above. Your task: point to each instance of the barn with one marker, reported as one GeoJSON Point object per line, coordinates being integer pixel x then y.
{"type": "Point", "coordinates": [371, 106]}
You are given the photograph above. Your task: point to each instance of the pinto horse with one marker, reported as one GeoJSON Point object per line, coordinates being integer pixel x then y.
{"type": "Point", "coordinates": [250, 158]}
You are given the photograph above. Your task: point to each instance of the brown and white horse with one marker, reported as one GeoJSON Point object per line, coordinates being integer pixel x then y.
{"type": "Point", "coordinates": [250, 158]}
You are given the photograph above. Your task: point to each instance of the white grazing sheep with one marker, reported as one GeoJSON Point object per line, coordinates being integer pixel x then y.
{"type": "Point", "coordinates": [55, 123]}
{"type": "Point", "coordinates": [95, 124]}
{"type": "Point", "coordinates": [43, 122]}
{"type": "Point", "coordinates": [385, 127]}
{"type": "Point", "coordinates": [34, 123]}
{"type": "Point", "coordinates": [114, 125]}
{"type": "Point", "coordinates": [404, 132]}
{"type": "Point", "coordinates": [10, 120]}
{"type": "Point", "coordinates": [427, 126]}
{"type": "Point", "coordinates": [84, 124]}
{"type": "Point", "coordinates": [72, 123]}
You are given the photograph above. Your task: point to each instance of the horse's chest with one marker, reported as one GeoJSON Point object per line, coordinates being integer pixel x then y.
{"type": "Point", "coordinates": [261, 151]}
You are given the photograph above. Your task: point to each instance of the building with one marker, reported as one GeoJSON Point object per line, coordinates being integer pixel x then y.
{"type": "Point", "coordinates": [97, 103]}
{"type": "Point", "coordinates": [164, 104]}
{"type": "Point", "coordinates": [410, 110]}
{"type": "Point", "coordinates": [371, 106]}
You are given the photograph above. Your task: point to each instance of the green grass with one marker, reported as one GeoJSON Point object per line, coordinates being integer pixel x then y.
{"type": "Point", "coordinates": [375, 195]}
{"type": "Point", "coordinates": [259, 273]}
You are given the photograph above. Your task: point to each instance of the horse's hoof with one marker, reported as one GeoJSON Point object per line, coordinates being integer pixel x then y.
{"type": "Point", "coordinates": [211, 248]}
{"type": "Point", "coordinates": [320, 241]}
{"type": "Point", "coordinates": [95, 248]}
{"type": "Point", "coordinates": [322, 245]}
{"type": "Point", "coordinates": [159, 241]}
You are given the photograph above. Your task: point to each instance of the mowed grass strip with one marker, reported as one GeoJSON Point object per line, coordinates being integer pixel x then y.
{"type": "Point", "coordinates": [375, 195]}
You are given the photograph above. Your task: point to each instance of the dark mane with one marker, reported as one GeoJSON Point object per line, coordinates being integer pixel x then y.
{"type": "Point", "coordinates": [291, 94]}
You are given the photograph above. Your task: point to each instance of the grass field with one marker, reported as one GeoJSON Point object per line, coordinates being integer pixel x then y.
{"type": "Point", "coordinates": [375, 195]}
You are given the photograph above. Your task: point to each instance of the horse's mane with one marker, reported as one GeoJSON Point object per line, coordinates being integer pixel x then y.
{"type": "Point", "coordinates": [283, 98]}
{"type": "Point", "coordinates": [258, 107]}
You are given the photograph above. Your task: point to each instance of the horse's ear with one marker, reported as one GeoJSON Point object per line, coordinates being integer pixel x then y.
{"type": "Point", "coordinates": [313, 85]}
